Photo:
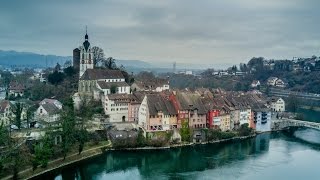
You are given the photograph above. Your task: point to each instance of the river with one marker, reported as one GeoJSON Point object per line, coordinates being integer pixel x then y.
{"type": "Point", "coordinates": [267, 156]}
{"type": "Point", "coordinates": [310, 114]}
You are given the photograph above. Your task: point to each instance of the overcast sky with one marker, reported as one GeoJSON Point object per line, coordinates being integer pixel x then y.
{"type": "Point", "coordinates": [191, 31]}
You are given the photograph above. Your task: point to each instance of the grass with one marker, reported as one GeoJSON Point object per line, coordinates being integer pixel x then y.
{"type": "Point", "coordinates": [90, 150]}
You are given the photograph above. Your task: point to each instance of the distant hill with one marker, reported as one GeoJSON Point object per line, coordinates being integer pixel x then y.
{"type": "Point", "coordinates": [27, 59]}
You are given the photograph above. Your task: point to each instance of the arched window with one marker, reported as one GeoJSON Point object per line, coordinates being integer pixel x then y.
{"type": "Point", "coordinates": [82, 55]}
{"type": "Point", "coordinates": [89, 56]}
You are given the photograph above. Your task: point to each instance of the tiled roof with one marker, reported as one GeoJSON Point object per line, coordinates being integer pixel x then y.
{"type": "Point", "coordinates": [95, 74]}
{"type": "Point", "coordinates": [15, 86]}
{"type": "Point", "coordinates": [51, 108]}
{"type": "Point", "coordinates": [3, 105]}
{"type": "Point", "coordinates": [157, 103]}
{"type": "Point", "coordinates": [189, 100]}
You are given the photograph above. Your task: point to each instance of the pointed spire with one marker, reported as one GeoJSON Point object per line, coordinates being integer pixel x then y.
{"type": "Point", "coordinates": [86, 37]}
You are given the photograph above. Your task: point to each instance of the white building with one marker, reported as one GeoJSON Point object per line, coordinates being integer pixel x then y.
{"type": "Point", "coordinates": [5, 112]}
{"type": "Point", "coordinates": [245, 115]}
{"type": "Point", "coordinates": [116, 107]}
{"type": "Point", "coordinates": [156, 85]}
{"type": "Point", "coordinates": [277, 82]}
{"type": "Point", "coordinates": [86, 56]}
{"type": "Point", "coordinates": [271, 81]}
{"type": "Point", "coordinates": [262, 120]}
{"type": "Point", "coordinates": [255, 84]}
{"type": "Point", "coordinates": [117, 87]}
{"type": "Point", "coordinates": [278, 105]}
{"type": "Point", "coordinates": [49, 111]}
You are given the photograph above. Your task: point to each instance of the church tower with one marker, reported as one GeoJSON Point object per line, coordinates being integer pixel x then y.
{"type": "Point", "coordinates": [86, 56]}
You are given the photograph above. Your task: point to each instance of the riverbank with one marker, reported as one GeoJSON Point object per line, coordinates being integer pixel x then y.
{"type": "Point", "coordinates": [314, 108]}
{"type": "Point", "coordinates": [58, 164]}
{"type": "Point", "coordinates": [61, 163]}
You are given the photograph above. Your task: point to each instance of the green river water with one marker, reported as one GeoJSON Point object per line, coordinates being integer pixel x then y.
{"type": "Point", "coordinates": [266, 156]}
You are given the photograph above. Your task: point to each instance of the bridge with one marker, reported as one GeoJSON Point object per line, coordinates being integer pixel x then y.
{"type": "Point", "coordinates": [279, 124]}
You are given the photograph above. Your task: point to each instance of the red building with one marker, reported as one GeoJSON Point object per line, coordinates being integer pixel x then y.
{"type": "Point", "coordinates": [210, 116]}
{"type": "Point", "coordinates": [182, 111]}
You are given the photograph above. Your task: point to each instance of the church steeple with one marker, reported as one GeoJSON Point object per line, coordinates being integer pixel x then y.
{"type": "Point", "coordinates": [86, 43]}
{"type": "Point", "coordinates": [86, 37]}
{"type": "Point", "coordinates": [86, 56]}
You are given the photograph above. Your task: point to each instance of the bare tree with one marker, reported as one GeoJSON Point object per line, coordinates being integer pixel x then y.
{"type": "Point", "coordinates": [110, 63]}
{"type": "Point", "coordinates": [98, 55]}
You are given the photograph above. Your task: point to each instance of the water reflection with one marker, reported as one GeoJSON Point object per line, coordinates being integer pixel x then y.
{"type": "Point", "coordinates": [267, 156]}
{"type": "Point", "coordinates": [166, 164]}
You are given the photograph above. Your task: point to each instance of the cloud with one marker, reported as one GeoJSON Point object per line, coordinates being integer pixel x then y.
{"type": "Point", "coordinates": [207, 31]}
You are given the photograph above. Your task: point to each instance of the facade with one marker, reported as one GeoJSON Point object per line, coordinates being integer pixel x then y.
{"type": "Point", "coordinates": [255, 84]}
{"type": "Point", "coordinates": [157, 113]}
{"type": "Point", "coordinates": [112, 88]}
{"type": "Point", "coordinates": [16, 89]}
{"type": "Point", "coordinates": [155, 85]}
{"type": "Point", "coordinates": [116, 107]}
{"type": "Point", "coordinates": [5, 112]}
{"type": "Point", "coordinates": [197, 119]}
{"type": "Point", "coordinates": [245, 115]}
{"type": "Point", "coordinates": [278, 105]}
{"type": "Point", "coordinates": [280, 83]}
{"type": "Point", "coordinates": [88, 81]}
{"type": "Point", "coordinates": [86, 56]}
{"type": "Point", "coordinates": [213, 120]}
{"type": "Point", "coordinates": [271, 81]}
{"type": "Point", "coordinates": [234, 119]}
{"type": "Point", "coordinates": [182, 112]}
{"type": "Point", "coordinates": [49, 111]}
{"type": "Point", "coordinates": [262, 120]}
{"type": "Point", "coordinates": [224, 119]}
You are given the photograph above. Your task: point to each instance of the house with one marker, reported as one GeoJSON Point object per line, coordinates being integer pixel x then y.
{"type": "Point", "coordinates": [111, 88]}
{"type": "Point", "coordinates": [197, 110]}
{"type": "Point", "coordinates": [277, 104]}
{"type": "Point", "coordinates": [271, 81]}
{"type": "Point", "coordinates": [89, 80]}
{"type": "Point", "coordinates": [277, 82]}
{"type": "Point", "coordinates": [5, 112]}
{"type": "Point", "coordinates": [181, 109]}
{"type": "Point", "coordinates": [255, 84]}
{"type": "Point", "coordinates": [261, 118]}
{"type": "Point", "coordinates": [116, 107]}
{"type": "Point", "coordinates": [51, 101]}
{"type": "Point", "coordinates": [157, 113]}
{"type": "Point", "coordinates": [49, 111]}
{"type": "Point", "coordinates": [280, 83]}
{"type": "Point", "coordinates": [16, 89]}
{"type": "Point", "coordinates": [155, 85]}
{"type": "Point", "coordinates": [224, 119]}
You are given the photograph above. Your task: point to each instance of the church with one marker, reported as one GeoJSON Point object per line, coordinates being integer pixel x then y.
{"type": "Point", "coordinates": [94, 82]}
